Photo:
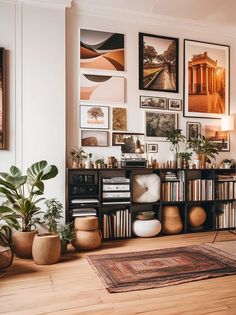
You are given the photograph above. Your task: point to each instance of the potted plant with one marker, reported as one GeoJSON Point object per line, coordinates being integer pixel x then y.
{"type": "Point", "coordinates": [175, 136]}
{"type": "Point", "coordinates": [23, 196]}
{"type": "Point", "coordinates": [66, 235]}
{"type": "Point", "coordinates": [100, 163]}
{"type": "Point", "coordinates": [77, 156]}
{"type": "Point", "coordinates": [185, 156]}
{"type": "Point", "coordinates": [203, 148]}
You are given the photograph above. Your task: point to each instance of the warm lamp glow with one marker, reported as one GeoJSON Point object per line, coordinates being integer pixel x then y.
{"type": "Point", "coordinates": [227, 123]}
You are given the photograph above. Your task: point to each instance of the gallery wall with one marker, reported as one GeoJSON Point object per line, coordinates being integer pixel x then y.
{"type": "Point", "coordinates": [130, 25]}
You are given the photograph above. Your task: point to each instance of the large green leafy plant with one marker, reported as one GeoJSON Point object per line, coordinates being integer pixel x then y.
{"type": "Point", "coordinates": [203, 146]}
{"type": "Point", "coordinates": [23, 191]}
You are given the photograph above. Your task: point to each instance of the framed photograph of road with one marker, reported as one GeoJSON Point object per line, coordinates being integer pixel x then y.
{"type": "Point", "coordinates": [158, 63]}
{"type": "Point", "coordinates": [158, 123]}
{"type": "Point", "coordinates": [206, 79]}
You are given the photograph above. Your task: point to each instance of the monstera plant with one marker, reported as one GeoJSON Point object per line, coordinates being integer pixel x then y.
{"type": "Point", "coordinates": [23, 194]}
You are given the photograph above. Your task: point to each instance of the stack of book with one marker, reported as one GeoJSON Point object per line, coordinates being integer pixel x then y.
{"type": "Point", "coordinates": [200, 189]}
{"type": "Point", "coordinates": [117, 224]}
{"type": "Point", "coordinates": [226, 217]}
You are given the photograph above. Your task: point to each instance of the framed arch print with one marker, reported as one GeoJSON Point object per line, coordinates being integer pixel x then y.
{"type": "Point", "coordinates": [206, 79]}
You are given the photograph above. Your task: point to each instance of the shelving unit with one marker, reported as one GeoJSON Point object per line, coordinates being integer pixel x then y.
{"type": "Point", "coordinates": [109, 193]}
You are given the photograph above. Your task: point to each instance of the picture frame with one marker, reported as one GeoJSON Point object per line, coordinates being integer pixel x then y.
{"type": "Point", "coordinates": [94, 116]}
{"type": "Point", "coordinates": [153, 102]}
{"type": "Point", "coordinates": [94, 138]}
{"type": "Point", "coordinates": [218, 137]}
{"type": "Point", "coordinates": [158, 63]}
{"type": "Point", "coordinates": [128, 141]}
{"type": "Point", "coordinates": [2, 99]}
{"type": "Point", "coordinates": [206, 79]}
{"type": "Point", "coordinates": [101, 50]}
{"type": "Point", "coordinates": [119, 119]}
{"type": "Point", "coordinates": [152, 147]}
{"type": "Point", "coordinates": [192, 129]}
{"type": "Point", "coordinates": [175, 104]}
{"type": "Point", "coordinates": [158, 123]}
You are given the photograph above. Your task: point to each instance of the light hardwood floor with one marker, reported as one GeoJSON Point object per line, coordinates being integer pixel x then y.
{"type": "Point", "coordinates": [72, 287]}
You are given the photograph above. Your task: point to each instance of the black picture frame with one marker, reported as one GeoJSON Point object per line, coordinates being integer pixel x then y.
{"type": "Point", "coordinates": [2, 99]}
{"type": "Point", "coordinates": [193, 128]}
{"type": "Point", "coordinates": [166, 44]}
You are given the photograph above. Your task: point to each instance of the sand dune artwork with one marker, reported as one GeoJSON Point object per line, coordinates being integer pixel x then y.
{"type": "Point", "coordinates": [101, 50]}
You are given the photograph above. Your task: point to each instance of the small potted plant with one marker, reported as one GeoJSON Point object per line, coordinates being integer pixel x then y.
{"type": "Point", "coordinates": [175, 136]}
{"type": "Point", "coordinates": [185, 156]}
{"type": "Point", "coordinates": [77, 156]}
{"type": "Point", "coordinates": [100, 163]}
{"type": "Point", "coordinates": [66, 235]}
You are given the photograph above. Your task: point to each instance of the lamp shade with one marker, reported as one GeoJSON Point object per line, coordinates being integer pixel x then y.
{"type": "Point", "coordinates": [227, 123]}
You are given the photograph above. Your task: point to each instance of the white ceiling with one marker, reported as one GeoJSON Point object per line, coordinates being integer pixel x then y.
{"type": "Point", "coordinates": [214, 12]}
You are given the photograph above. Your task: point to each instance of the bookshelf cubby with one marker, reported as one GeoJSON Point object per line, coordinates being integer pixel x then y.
{"type": "Point", "coordinates": [108, 194]}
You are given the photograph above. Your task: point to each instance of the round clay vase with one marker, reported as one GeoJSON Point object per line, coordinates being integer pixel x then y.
{"type": "Point", "coordinates": [146, 228]}
{"type": "Point", "coordinates": [46, 249]}
{"type": "Point", "coordinates": [87, 240]}
{"type": "Point", "coordinates": [23, 242]}
{"type": "Point", "coordinates": [171, 220]}
{"type": "Point", "coordinates": [196, 216]}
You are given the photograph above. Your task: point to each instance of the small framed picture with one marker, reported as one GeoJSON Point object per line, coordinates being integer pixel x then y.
{"type": "Point", "coordinates": [218, 137]}
{"type": "Point", "coordinates": [94, 117]}
{"type": "Point", "coordinates": [119, 119]}
{"type": "Point", "coordinates": [128, 141]}
{"type": "Point", "coordinates": [192, 129]}
{"type": "Point", "coordinates": [174, 104]}
{"type": "Point", "coordinates": [152, 147]}
{"type": "Point", "coordinates": [153, 102]}
{"type": "Point", "coordinates": [94, 138]}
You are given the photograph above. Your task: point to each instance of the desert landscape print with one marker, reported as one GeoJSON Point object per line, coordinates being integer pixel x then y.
{"type": "Point", "coordinates": [219, 137]}
{"type": "Point", "coordinates": [101, 50]}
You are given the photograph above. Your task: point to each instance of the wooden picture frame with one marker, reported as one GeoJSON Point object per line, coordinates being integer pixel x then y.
{"type": "Point", "coordinates": [206, 79]}
{"type": "Point", "coordinates": [94, 116]}
{"type": "Point", "coordinates": [158, 123]}
{"type": "Point", "coordinates": [153, 102]}
{"type": "Point", "coordinates": [158, 63]}
{"type": "Point", "coordinates": [94, 138]}
{"type": "Point", "coordinates": [192, 129]}
{"type": "Point", "coordinates": [2, 99]}
{"type": "Point", "coordinates": [175, 104]}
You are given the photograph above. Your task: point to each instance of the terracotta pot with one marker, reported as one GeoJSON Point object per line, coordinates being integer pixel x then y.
{"type": "Point", "coordinates": [6, 257]}
{"type": "Point", "coordinates": [87, 240]}
{"type": "Point", "coordinates": [171, 220]}
{"type": "Point", "coordinates": [86, 224]}
{"type": "Point", "coordinates": [46, 249]}
{"type": "Point", "coordinates": [23, 243]}
{"type": "Point", "coordinates": [196, 216]}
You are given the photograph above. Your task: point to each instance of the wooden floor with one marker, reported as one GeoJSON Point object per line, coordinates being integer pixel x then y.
{"type": "Point", "coordinates": [72, 287]}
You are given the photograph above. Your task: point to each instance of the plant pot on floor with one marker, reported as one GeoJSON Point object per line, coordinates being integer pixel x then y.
{"type": "Point", "coordinates": [23, 243]}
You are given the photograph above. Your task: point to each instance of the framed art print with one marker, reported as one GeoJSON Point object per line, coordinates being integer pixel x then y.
{"type": "Point", "coordinates": [119, 119]}
{"type": "Point", "coordinates": [128, 141]}
{"type": "Point", "coordinates": [174, 104]}
{"type": "Point", "coordinates": [158, 63]}
{"type": "Point", "coordinates": [192, 129]}
{"type": "Point", "coordinates": [218, 137]}
{"type": "Point", "coordinates": [153, 102]}
{"type": "Point", "coordinates": [94, 138]}
{"type": "Point", "coordinates": [94, 117]}
{"type": "Point", "coordinates": [152, 147]}
{"type": "Point", "coordinates": [2, 101]}
{"type": "Point", "coordinates": [206, 79]}
{"type": "Point", "coordinates": [101, 50]}
{"type": "Point", "coordinates": [158, 123]}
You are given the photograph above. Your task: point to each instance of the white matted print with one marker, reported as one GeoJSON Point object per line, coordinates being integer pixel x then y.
{"type": "Point", "coordinates": [102, 88]}
{"type": "Point", "coordinates": [94, 138]}
{"type": "Point", "coordinates": [94, 117]}
{"type": "Point", "coordinates": [174, 104]}
{"type": "Point", "coordinates": [152, 147]}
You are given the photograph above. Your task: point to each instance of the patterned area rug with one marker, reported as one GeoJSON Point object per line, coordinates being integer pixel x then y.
{"type": "Point", "coordinates": [163, 267]}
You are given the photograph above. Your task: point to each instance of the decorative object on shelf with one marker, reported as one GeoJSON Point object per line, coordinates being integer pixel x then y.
{"type": "Point", "coordinates": [203, 148]}
{"type": "Point", "coordinates": [192, 129]}
{"type": "Point", "coordinates": [94, 116]}
{"type": "Point", "coordinates": [206, 74]}
{"type": "Point", "coordinates": [145, 215]}
{"type": "Point", "coordinates": [119, 119]}
{"type": "Point", "coordinates": [101, 50]}
{"type": "Point", "coordinates": [22, 193]}
{"type": "Point", "coordinates": [99, 163]}
{"type": "Point", "coordinates": [174, 104]}
{"type": "Point", "coordinates": [87, 236]}
{"type": "Point", "coordinates": [158, 63]}
{"type": "Point", "coordinates": [196, 217]}
{"type": "Point", "coordinates": [94, 138]}
{"type": "Point", "coordinates": [46, 249]}
{"type": "Point", "coordinates": [146, 227]}
{"type": "Point", "coordinates": [102, 88]}
{"type": "Point", "coordinates": [158, 123]}
{"type": "Point", "coordinates": [2, 99]}
{"type": "Point", "coordinates": [171, 220]}
{"type": "Point", "coordinates": [227, 163]}
{"type": "Point", "coordinates": [77, 156]}
{"type": "Point", "coordinates": [174, 136]}
{"type": "Point", "coordinates": [146, 188]}
{"type": "Point", "coordinates": [153, 102]}
{"type": "Point", "coordinates": [127, 141]}
{"type": "Point", "coordinates": [185, 158]}
{"type": "Point", "coordinates": [220, 138]}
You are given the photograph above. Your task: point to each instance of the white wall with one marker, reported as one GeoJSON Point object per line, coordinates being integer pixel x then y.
{"type": "Point", "coordinates": [131, 25]}
{"type": "Point", "coordinates": [34, 35]}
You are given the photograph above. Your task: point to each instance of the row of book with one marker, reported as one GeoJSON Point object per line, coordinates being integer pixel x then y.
{"type": "Point", "coordinates": [226, 217]}
{"type": "Point", "coordinates": [173, 191]}
{"type": "Point", "coordinates": [200, 189]}
{"type": "Point", "coordinates": [225, 190]}
{"type": "Point", "coordinates": [117, 224]}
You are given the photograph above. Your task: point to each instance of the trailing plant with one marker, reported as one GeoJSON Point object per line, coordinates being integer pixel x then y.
{"type": "Point", "coordinates": [202, 146]}
{"type": "Point", "coordinates": [175, 136]}
{"type": "Point", "coordinates": [23, 191]}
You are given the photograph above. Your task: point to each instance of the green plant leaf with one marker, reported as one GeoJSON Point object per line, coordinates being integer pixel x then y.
{"type": "Point", "coordinates": [40, 186]}
{"type": "Point", "coordinates": [15, 171]}
{"type": "Point", "coordinates": [50, 172]}
{"type": "Point", "coordinates": [7, 184]}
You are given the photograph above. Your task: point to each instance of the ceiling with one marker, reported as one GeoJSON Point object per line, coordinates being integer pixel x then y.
{"type": "Point", "coordinates": [214, 12]}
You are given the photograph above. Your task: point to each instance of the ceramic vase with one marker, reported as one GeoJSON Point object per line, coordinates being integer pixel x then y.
{"type": "Point", "coordinates": [171, 220]}
{"type": "Point", "coordinates": [46, 249]}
